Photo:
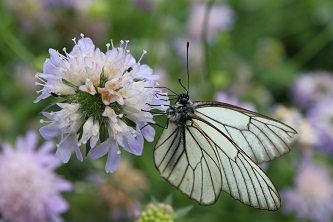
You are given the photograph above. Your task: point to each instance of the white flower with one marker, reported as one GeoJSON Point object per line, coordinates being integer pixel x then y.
{"type": "Point", "coordinates": [105, 101]}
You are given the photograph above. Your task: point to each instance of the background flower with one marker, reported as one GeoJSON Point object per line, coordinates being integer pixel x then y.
{"type": "Point", "coordinates": [312, 195]}
{"type": "Point", "coordinates": [29, 188]}
{"type": "Point", "coordinates": [311, 88]}
{"type": "Point", "coordinates": [321, 117]}
{"type": "Point", "coordinates": [307, 135]}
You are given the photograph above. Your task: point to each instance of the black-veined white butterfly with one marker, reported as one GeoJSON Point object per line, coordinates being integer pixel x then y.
{"type": "Point", "coordinates": [210, 146]}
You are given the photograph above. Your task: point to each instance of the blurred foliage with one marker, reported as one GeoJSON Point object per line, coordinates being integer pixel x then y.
{"type": "Point", "coordinates": [269, 44]}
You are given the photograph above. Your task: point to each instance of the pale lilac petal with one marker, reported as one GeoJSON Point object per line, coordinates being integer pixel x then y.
{"type": "Point", "coordinates": [77, 148]}
{"type": "Point", "coordinates": [50, 131]}
{"type": "Point", "coordinates": [41, 97]}
{"type": "Point", "coordinates": [86, 45]}
{"type": "Point", "coordinates": [50, 78]}
{"type": "Point", "coordinates": [132, 145]}
{"type": "Point", "coordinates": [55, 59]}
{"type": "Point", "coordinates": [48, 115]}
{"type": "Point", "coordinates": [101, 149]}
{"type": "Point", "coordinates": [64, 150]}
{"type": "Point", "coordinates": [58, 204]}
{"type": "Point", "coordinates": [113, 160]}
{"type": "Point", "coordinates": [148, 132]}
{"type": "Point", "coordinates": [49, 68]}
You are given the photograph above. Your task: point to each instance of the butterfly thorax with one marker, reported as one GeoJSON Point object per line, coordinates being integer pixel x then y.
{"type": "Point", "coordinates": [179, 112]}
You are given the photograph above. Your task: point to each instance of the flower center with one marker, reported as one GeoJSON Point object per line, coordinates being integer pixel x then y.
{"type": "Point", "coordinates": [90, 105]}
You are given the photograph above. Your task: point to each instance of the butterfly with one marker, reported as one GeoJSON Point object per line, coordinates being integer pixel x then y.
{"type": "Point", "coordinates": [209, 147]}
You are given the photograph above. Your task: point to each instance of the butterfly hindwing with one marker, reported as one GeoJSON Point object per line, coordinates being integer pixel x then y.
{"type": "Point", "coordinates": [190, 165]}
{"type": "Point", "coordinates": [241, 177]}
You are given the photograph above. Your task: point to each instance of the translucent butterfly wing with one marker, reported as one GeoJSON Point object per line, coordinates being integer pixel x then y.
{"type": "Point", "coordinates": [201, 161]}
{"type": "Point", "coordinates": [260, 137]}
{"type": "Point", "coordinates": [193, 169]}
{"type": "Point", "coordinates": [241, 177]}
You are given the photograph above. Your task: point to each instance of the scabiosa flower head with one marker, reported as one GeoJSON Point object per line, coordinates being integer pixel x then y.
{"type": "Point", "coordinates": [312, 196]}
{"type": "Point", "coordinates": [29, 188]}
{"type": "Point", "coordinates": [105, 101]}
{"type": "Point", "coordinates": [321, 118]}
{"type": "Point", "coordinates": [311, 88]}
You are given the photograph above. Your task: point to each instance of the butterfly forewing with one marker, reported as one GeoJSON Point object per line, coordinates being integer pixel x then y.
{"type": "Point", "coordinates": [260, 137]}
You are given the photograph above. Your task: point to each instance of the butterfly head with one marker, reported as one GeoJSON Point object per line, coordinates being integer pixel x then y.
{"type": "Point", "coordinates": [183, 99]}
{"type": "Point", "coordinates": [179, 112]}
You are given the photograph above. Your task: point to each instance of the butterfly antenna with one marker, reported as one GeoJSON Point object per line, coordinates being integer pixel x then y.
{"type": "Point", "coordinates": [188, 73]}
{"type": "Point", "coordinates": [180, 82]}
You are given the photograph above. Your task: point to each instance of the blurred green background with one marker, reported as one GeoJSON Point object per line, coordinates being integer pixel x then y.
{"type": "Point", "coordinates": [250, 49]}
